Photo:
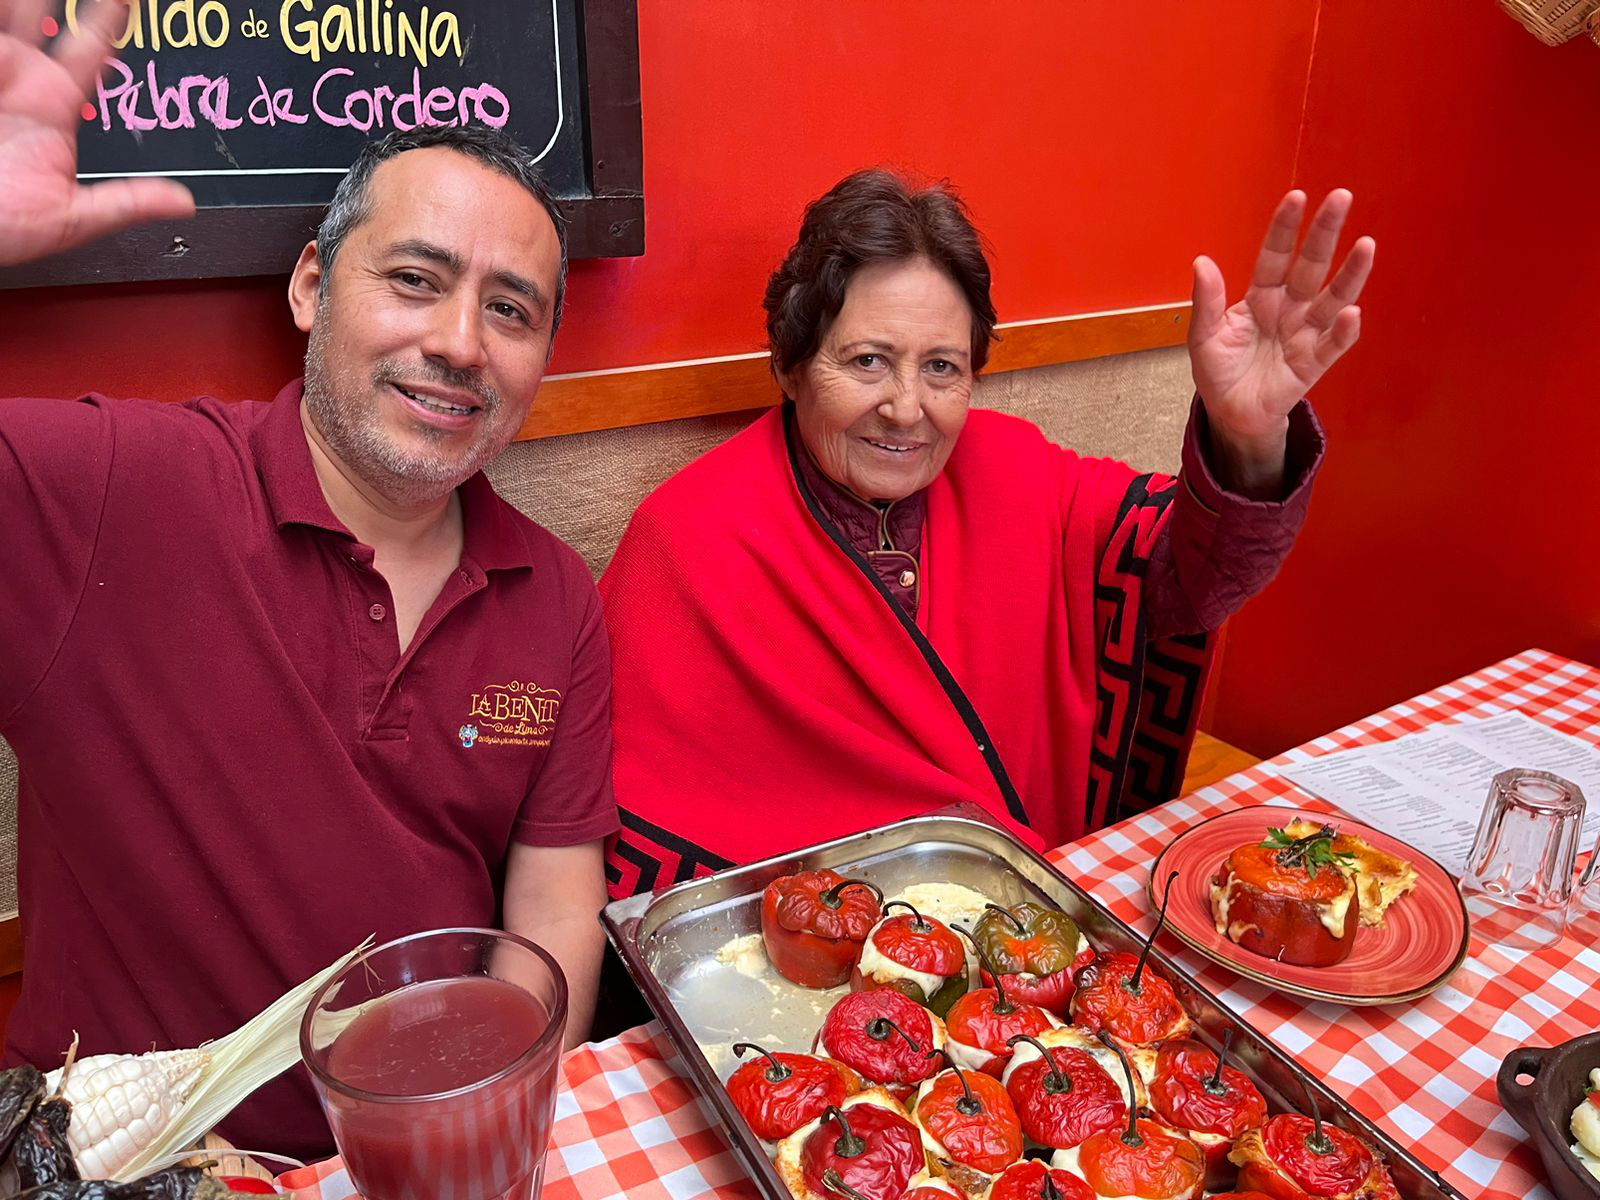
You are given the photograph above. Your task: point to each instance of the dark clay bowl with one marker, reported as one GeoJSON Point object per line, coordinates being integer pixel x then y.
{"type": "Point", "coordinates": [1544, 1107]}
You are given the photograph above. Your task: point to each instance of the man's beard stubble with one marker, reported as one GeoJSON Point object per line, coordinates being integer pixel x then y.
{"type": "Point", "coordinates": [346, 414]}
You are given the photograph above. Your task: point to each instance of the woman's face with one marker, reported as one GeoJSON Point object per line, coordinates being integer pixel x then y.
{"type": "Point", "coordinates": [882, 401]}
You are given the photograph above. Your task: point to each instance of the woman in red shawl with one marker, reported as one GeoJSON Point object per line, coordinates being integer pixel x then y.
{"type": "Point", "coordinates": [874, 602]}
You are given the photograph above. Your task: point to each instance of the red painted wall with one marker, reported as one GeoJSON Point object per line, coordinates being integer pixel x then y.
{"type": "Point", "coordinates": [1101, 148]}
{"type": "Point", "coordinates": [1456, 521]}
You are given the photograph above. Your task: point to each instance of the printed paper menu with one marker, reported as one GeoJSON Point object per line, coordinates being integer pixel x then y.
{"type": "Point", "coordinates": [1428, 789]}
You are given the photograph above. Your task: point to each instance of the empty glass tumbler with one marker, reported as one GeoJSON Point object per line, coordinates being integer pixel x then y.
{"type": "Point", "coordinates": [1519, 872]}
{"type": "Point", "coordinates": [1583, 910]}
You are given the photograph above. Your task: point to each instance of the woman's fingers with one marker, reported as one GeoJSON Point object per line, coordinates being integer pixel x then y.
{"type": "Point", "coordinates": [1312, 264]}
{"type": "Point", "coordinates": [1338, 337]}
{"type": "Point", "coordinates": [1347, 285]}
{"type": "Point", "coordinates": [1210, 300]}
{"type": "Point", "coordinates": [1277, 248]}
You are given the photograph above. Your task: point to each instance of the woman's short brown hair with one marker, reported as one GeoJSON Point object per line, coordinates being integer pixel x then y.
{"type": "Point", "coordinates": [869, 217]}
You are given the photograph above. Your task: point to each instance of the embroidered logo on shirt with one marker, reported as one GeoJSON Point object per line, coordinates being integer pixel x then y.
{"type": "Point", "coordinates": [468, 734]}
{"type": "Point", "coordinates": [518, 713]}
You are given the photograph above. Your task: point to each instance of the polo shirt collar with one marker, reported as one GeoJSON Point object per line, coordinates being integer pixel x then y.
{"type": "Point", "coordinates": [494, 537]}
{"type": "Point", "coordinates": [284, 460]}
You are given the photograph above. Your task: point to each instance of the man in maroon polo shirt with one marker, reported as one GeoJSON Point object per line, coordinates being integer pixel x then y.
{"type": "Point", "coordinates": [283, 675]}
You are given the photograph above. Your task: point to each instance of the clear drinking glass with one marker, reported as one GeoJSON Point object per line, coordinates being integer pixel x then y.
{"type": "Point", "coordinates": [436, 1060]}
{"type": "Point", "coordinates": [1519, 871]}
{"type": "Point", "coordinates": [1583, 910]}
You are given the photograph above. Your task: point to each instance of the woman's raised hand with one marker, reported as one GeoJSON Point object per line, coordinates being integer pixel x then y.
{"type": "Point", "coordinates": [1254, 361]}
{"type": "Point", "coordinates": [43, 207]}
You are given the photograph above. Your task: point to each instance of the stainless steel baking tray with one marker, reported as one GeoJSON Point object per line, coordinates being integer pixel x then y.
{"type": "Point", "coordinates": [676, 945]}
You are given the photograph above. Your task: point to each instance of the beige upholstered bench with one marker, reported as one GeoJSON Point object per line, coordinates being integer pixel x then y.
{"type": "Point", "coordinates": [585, 486]}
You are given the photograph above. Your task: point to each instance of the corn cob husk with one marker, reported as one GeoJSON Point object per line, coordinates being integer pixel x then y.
{"type": "Point", "coordinates": [121, 1102]}
{"type": "Point", "coordinates": [240, 1062]}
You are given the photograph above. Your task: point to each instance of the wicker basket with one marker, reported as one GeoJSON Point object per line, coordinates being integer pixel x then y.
{"type": "Point", "coordinates": [1552, 21]}
{"type": "Point", "coordinates": [1592, 27]}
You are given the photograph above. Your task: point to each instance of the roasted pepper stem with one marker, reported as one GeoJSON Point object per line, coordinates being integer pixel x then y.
{"type": "Point", "coordinates": [848, 1145]}
{"type": "Point", "coordinates": [1134, 983]}
{"type": "Point", "coordinates": [1002, 1005]}
{"type": "Point", "coordinates": [1214, 1085]}
{"type": "Point", "coordinates": [834, 1182]}
{"type": "Point", "coordinates": [776, 1072]}
{"type": "Point", "coordinates": [920, 924]}
{"type": "Point", "coordinates": [879, 1028]}
{"type": "Point", "coordinates": [1022, 930]}
{"type": "Point", "coordinates": [1319, 1143]}
{"type": "Point", "coordinates": [1057, 1082]}
{"type": "Point", "coordinates": [1030, 940]}
{"type": "Point", "coordinates": [834, 896]}
{"type": "Point", "coordinates": [969, 1105]}
{"type": "Point", "coordinates": [1131, 1136]}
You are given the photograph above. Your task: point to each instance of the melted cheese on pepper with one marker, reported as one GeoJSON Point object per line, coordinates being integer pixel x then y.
{"type": "Point", "coordinates": [931, 1146]}
{"type": "Point", "coordinates": [1380, 877]}
{"type": "Point", "coordinates": [875, 965]}
{"type": "Point", "coordinates": [950, 902]}
{"type": "Point", "coordinates": [788, 1155]}
{"type": "Point", "coordinates": [1067, 1160]}
{"type": "Point", "coordinates": [1332, 913]}
{"type": "Point", "coordinates": [968, 1058]}
{"type": "Point", "coordinates": [973, 1058]}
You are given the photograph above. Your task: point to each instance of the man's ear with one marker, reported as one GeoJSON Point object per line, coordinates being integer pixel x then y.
{"type": "Point", "coordinates": [305, 285]}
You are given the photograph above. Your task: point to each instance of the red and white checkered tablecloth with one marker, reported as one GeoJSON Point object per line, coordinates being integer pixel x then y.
{"type": "Point", "coordinates": [629, 1122]}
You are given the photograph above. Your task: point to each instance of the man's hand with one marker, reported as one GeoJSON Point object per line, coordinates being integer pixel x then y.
{"type": "Point", "coordinates": [1253, 362]}
{"type": "Point", "coordinates": [43, 208]}
{"type": "Point", "coordinates": [553, 897]}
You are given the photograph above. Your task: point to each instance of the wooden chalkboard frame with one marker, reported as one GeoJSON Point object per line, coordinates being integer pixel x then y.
{"type": "Point", "coordinates": [265, 240]}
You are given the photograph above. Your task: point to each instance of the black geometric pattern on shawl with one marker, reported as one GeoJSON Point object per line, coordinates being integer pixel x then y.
{"type": "Point", "coordinates": [1147, 693]}
{"type": "Point", "coordinates": [646, 857]}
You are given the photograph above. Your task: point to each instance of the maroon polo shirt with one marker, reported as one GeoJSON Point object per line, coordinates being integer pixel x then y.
{"type": "Point", "coordinates": [230, 772]}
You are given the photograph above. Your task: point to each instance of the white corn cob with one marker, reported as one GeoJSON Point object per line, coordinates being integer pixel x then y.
{"type": "Point", "coordinates": [132, 1110]}
{"type": "Point", "coordinates": [123, 1102]}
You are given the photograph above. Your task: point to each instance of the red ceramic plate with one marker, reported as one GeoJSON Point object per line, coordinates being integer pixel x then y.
{"type": "Point", "coordinates": [1422, 941]}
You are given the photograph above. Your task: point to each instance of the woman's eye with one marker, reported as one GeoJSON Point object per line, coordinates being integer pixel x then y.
{"type": "Point", "coordinates": [868, 360]}
{"type": "Point", "coordinates": [941, 366]}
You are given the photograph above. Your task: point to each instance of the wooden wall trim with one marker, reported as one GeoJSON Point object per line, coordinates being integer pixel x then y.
{"type": "Point", "coordinates": [590, 400]}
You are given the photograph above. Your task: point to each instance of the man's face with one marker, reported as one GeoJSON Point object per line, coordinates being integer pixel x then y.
{"type": "Point", "coordinates": [430, 335]}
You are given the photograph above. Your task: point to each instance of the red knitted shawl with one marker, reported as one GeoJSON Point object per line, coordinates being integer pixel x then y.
{"type": "Point", "coordinates": [768, 693]}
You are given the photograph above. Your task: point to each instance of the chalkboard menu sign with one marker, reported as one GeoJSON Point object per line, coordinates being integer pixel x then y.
{"type": "Point", "coordinates": [259, 107]}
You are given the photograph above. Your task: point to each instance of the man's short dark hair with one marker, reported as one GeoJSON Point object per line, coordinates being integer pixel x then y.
{"type": "Point", "coordinates": [496, 150]}
{"type": "Point", "coordinates": [870, 217]}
